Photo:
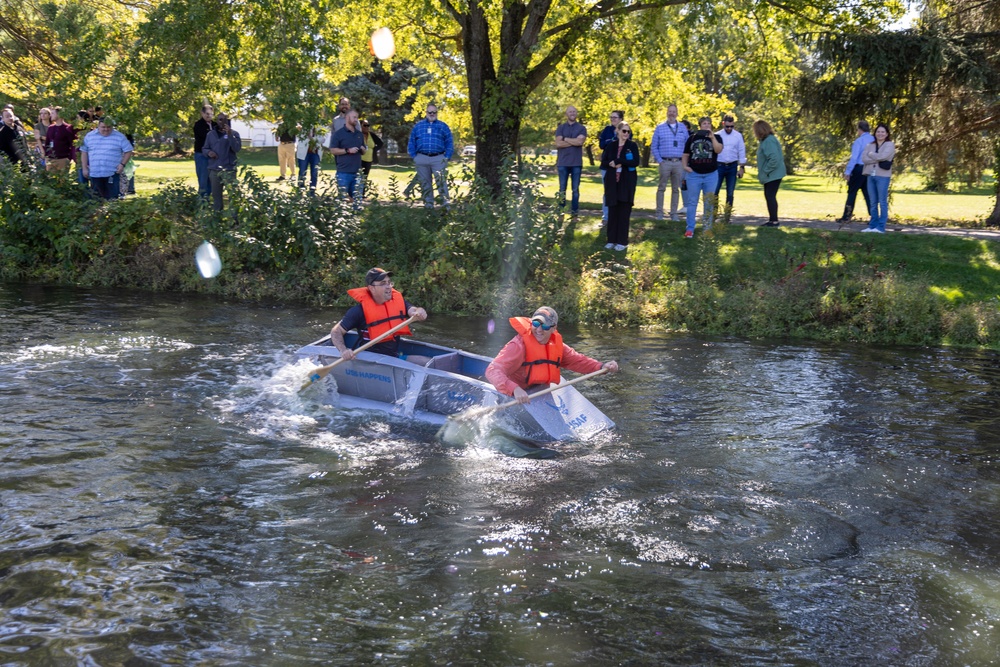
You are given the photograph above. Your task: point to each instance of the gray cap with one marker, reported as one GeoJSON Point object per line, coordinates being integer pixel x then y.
{"type": "Point", "coordinates": [548, 316]}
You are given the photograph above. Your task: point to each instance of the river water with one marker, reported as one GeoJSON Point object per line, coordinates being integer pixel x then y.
{"type": "Point", "coordinates": [166, 497]}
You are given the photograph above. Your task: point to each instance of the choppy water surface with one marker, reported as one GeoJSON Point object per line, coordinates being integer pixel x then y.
{"type": "Point", "coordinates": [167, 498]}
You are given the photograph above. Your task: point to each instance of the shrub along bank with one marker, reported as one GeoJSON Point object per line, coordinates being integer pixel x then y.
{"type": "Point", "coordinates": [507, 254]}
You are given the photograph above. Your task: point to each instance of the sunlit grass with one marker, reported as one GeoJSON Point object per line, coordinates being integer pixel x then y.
{"type": "Point", "coordinates": [810, 196]}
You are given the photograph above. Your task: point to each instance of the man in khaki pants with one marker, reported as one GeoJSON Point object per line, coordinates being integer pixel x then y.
{"type": "Point", "coordinates": [285, 136]}
{"type": "Point", "coordinates": [667, 148]}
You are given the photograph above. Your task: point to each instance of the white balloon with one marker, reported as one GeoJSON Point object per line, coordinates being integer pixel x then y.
{"type": "Point", "coordinates": [206, 258]}
{"type": "Point", "coordinates": [382, 43]}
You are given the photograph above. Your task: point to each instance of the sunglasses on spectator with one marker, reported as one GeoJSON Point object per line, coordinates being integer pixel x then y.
{"type": "Point", "coordinates": [545, 327]}
{"type": "Point", "coordinates": [729, 127]}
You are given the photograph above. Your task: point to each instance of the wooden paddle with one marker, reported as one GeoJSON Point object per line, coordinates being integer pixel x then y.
{"type": "Point", "coordinates": [323, 371]}
{"type": "Point", "coordinates": [479, 413]}
{"type": "Point", "coordinates": [457, 430]}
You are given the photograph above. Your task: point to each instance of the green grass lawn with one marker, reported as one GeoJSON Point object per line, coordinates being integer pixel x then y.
{"type": "Point", "coordinates": [809, 196]}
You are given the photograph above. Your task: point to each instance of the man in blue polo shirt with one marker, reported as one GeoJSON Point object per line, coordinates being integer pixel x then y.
{"type": "Point", "coordinates": [103, 156]}
{"type": "Point", "coordinates": [667, 148]}
{"type": "Point", "coordinates": [348, 144]}
{"type": "Point", "coordinates": [852, 173]}
{"type": "Point", "coordinates": [431, 146]}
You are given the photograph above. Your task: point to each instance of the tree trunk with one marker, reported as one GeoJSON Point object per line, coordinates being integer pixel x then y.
{"type": "Point", "coordinates": [994, 218]}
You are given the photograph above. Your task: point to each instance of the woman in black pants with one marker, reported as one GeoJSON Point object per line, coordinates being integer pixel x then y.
{"type": "Point", "coordinates": [619, 160]}
{"type": "Point", "coordinates": [770, 168]}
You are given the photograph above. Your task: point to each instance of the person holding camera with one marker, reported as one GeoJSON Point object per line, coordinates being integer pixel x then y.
{"type": "Point", "coordinates": [221, 146]}
{"type": "Point", "coordinates": [877, 159]}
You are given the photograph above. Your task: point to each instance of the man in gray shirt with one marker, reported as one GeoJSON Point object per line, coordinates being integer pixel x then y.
{"type": "Point", "coordinates": [570, 137]}
{"type": "Point", "coordinates": [348, 144]}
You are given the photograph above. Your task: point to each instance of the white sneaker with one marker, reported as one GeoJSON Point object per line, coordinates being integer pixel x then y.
{"type": "Point", "coordinates": [871, 230]}
{"type": "Point", "coordinates": [682, 210]}
{"type": "Point", "coordinates": [609, 246]}
{"type": "Point", "coordinates": [619, 247]}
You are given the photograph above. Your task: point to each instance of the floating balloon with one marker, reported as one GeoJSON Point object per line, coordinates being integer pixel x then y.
{"type": "Point", "coordinates": [491, 326]}
{"type": "Point", "coordinates": [382, 45]}
{"type": "Point", "coordinates": [206, 258]}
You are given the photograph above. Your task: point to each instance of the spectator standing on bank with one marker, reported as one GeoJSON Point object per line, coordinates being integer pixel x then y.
{"type": "Point", "coordinates": [221, 146]}
{"type": "Point", "coordinates": [348, 144]}
{"type": "Point", "coordinates": [431, 146]}
{"type": "Point", "coordinates": [732, 160]}
{"type": "Point", "coordinates": [103, 156]}
{"type": "Point", "coordinates": [309, 153]}
{"type": "Point", "coordinates": [343, 106]}
{"type": "Point", "coordinates": [770, 168]}
{"type": "Point", "coordinates": [373, 144]}
{"type": "Point", "coordinates": [12, 142]}
{"type": "Point", "coordinates": [854, 173]}
{"type": "Point", "coordinates": [609, 135]}
{"type": "Point", "coordinates": [59, 139]}
{"type": "Point", "coordinates": [877, 158]}
{"type": "Point", "coordinates": [285, 136]}
{"type": "Point", "coordinates": [570, 138]}
{"type": "Point", "coordinates": [618, 163]}
{"type": "Point", "coordinates": [41, 127]}
{"type": "Point", "coordinates": [202, 127]}
{"type": "Point", "coordinates": [701, 167]}
{"type": "Point", "coordinates": [667, 147]}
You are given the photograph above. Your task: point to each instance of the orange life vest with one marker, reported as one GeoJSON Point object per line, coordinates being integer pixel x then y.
{"type": "Point", "coordinates": [379, 318]}
{"type": "Point", "coordinates": [542, 361]}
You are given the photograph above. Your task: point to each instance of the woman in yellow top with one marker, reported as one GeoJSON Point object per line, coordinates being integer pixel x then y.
{"type": "Point", "coordinates": [372, 144]}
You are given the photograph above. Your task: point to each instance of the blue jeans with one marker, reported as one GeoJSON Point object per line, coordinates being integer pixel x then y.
{"type": "Point", "coordinates": [201, 169]}
{"type": "Point", "coordinates": [564, 174]}
{"type": "Point", "coordinates": [727, 172]}
{"type": "Point", "coordinates": [312, 163]}
{"type": "Point", "coordinates": [699, 184]}
{"type": "Point", "coordinates": [878, 195]}
{"type": "Point", "coordinates": [106, 187]}
{"type": "Point", "coordinates": [348, 186]}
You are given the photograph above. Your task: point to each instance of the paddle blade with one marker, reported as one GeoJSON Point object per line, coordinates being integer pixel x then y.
{"type": "Point", "coordinates": [207, 259]}
{"type": "Point", "coordinates": [310, 381]}
{"type": "Point", "coordinates": [458, 432]}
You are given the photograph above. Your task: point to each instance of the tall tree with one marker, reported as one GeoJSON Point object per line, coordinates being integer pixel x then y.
{"type": "Point", "coordinates": [938, 84]}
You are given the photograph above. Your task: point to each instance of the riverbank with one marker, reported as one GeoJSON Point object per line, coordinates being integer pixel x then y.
{"type": "Point", "coordinates": [497, 257]}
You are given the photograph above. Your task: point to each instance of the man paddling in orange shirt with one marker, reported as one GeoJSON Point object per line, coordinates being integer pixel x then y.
{"type": "Point", "coordinates": [533, 357]}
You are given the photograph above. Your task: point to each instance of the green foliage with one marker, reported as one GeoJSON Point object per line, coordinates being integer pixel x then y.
{"type": "Point", "coordinates": [500, 255]}
{"type": "Point", "coordinates": [45, 217]}
{"type": "Point", "coordinates": [269, 230]}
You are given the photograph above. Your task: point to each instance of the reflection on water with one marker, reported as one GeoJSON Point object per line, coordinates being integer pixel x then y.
{"type": "Point", "coordinates": [167, 496]}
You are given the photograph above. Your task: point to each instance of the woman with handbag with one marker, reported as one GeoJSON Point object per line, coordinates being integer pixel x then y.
{"type": "Point", "coordinates": [618, 163]}
{"type": "Point", "coordinates": [877, 158]}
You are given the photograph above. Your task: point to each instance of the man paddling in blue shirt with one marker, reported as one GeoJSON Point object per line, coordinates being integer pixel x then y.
{"type": "Point", "coordinates": [379, 309]}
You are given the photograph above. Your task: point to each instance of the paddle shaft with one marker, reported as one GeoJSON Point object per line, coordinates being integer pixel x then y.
{"type": "Point", "coordinates": [476, 413]}
{"type": "Point", "coordinates": [323, 371]}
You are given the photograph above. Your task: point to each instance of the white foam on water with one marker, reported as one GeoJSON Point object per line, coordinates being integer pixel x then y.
{"type": "Point", "coordinates": [110, 348]}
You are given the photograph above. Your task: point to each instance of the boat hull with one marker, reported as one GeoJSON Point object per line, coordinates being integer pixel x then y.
{"type": "Point", "coordinates": [450, 383]}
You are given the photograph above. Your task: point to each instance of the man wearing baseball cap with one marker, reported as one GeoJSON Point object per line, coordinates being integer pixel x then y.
{"type": "Point", "coordinates": [379, 309]}
{"type": "Point", "coordinates": [532, 359]}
